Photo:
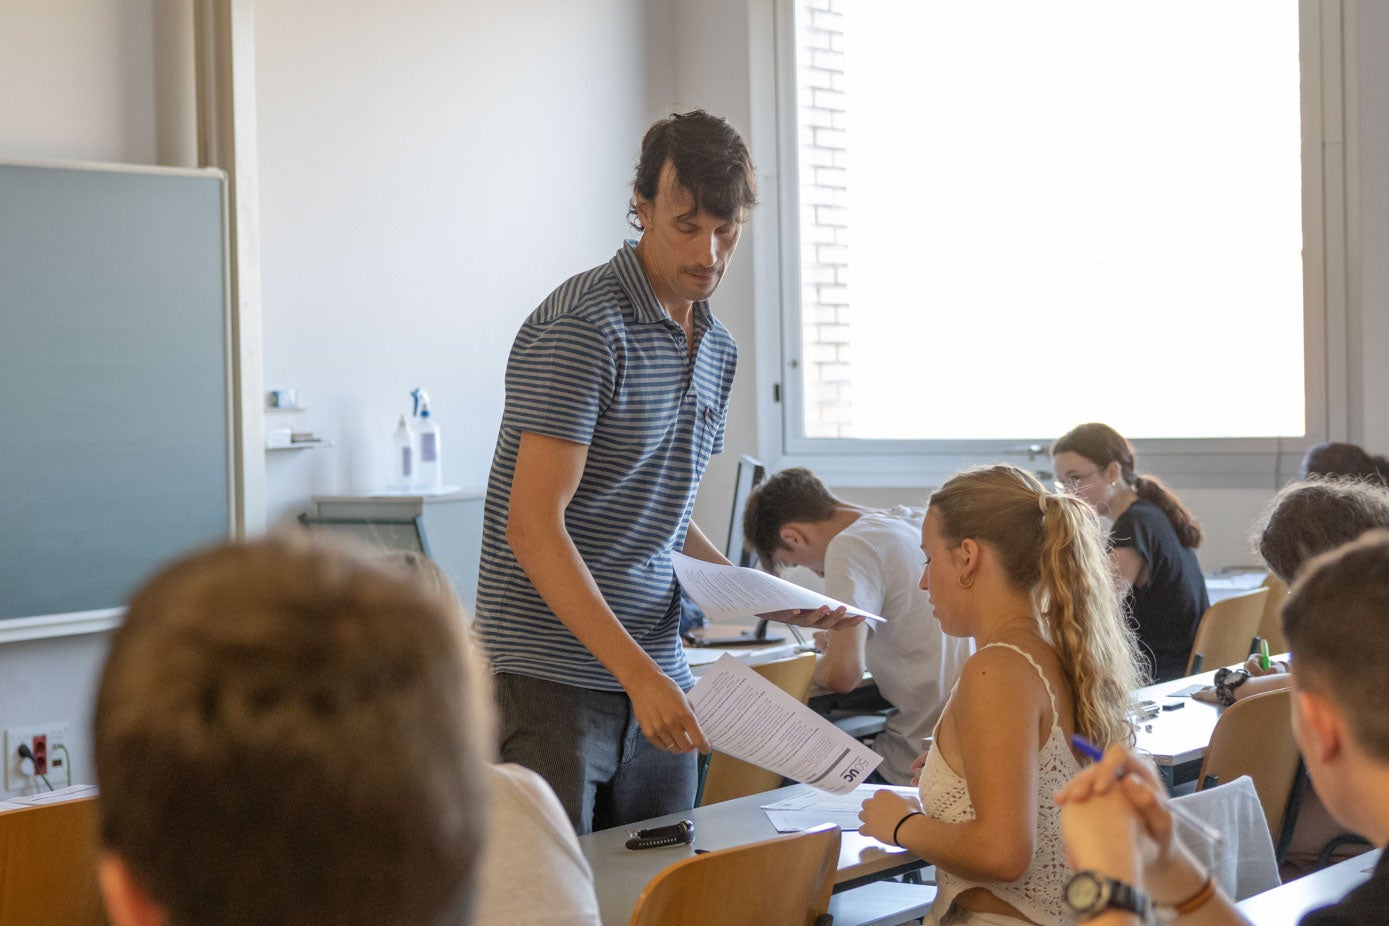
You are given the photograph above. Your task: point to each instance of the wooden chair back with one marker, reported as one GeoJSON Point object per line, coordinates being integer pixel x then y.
{"type": "Point", "coordinates": [784, 881]}
{"type": "Point", "coordinates": [1271, 625]}
{"type": "Point", "coordinates": [1226, 630]}
{"type": "Point", "coordinates": [48, 859]}
{"type": "Point", "coordinates": [1254, 737]}
{"type": "Point", "coordinates": [728, 777]}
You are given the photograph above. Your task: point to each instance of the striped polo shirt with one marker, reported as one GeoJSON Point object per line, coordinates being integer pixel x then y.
{"type": "Point", "coordinates": [601, 363]}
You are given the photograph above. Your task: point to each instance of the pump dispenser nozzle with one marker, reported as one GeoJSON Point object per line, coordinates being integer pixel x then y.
{"type": "Point", "coordinates": [431, 463]}
{"type": "Point", "coordinates": [421, 403]}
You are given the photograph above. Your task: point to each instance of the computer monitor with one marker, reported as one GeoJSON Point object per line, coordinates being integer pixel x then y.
{"type": "Point", "coordinates": [750, 474]}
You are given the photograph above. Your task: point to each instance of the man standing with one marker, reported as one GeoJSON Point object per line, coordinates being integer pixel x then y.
{"type": "Point", "coordinates": [616, 392]}
{"type": "Point", "coordinates": [871, 559]}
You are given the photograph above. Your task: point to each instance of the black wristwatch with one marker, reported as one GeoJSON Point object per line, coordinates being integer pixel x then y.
{"type": "Point", "coordinates": [1090, 893]}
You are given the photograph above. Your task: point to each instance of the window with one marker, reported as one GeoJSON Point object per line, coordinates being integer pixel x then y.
{"type": "Point", "coordinates": [1005, 219]}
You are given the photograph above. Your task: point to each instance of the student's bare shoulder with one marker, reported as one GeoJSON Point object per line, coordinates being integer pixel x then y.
{"type": "Point", "coordinates": [1006, 673]}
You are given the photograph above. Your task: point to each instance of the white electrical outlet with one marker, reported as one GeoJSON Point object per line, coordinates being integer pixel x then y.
{"type": "Point", "coordinates": [43, 740]}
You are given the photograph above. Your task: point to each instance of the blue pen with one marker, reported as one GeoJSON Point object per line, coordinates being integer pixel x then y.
{"type": "Point", "coordinates": [1210, 832]}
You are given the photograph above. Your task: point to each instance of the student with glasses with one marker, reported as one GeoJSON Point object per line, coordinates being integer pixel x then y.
{"type": "Point", "coordinates": [1153, 541]}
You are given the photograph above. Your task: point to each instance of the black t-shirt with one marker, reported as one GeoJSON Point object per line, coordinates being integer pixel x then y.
{"type": "Point", "coordinates": [1167, 608]}
{"type": "Point", "coordinates": [1367, 904]}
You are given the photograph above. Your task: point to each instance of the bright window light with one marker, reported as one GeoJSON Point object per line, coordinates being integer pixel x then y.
{"type": "Point", "coordinates": [1018, 216]}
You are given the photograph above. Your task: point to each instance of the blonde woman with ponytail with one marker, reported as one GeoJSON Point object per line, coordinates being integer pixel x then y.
{"type": "Point", "coordinates": [1026, 574]}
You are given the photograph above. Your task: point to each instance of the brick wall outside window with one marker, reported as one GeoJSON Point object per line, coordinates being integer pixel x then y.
{"type": "Point", "coordinates": [824, 218]}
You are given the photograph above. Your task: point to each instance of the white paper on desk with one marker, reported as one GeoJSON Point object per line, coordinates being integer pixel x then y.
{"type": "Point", "coordinates": [728, 592]}
{"type": "Point", "coordinates": [798, 821]}
{"type": "Point", "coordinates": [751, 719]}
{"type": "Point", "coordinates": [70, 793]}
{"type": "Point", "coordinates": [811, 808]}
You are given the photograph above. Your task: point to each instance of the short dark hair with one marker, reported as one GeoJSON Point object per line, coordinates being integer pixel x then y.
{"type": "Point", "coordinates": [1339, 459]}
{"type": "Point", "coordinates": [711, 161]}
{"type": "Point", "coordinates": [1308, 518]}
{"type": "Point", "coordinates": [794, 494]}
{"type": "Point", "coordinates": [284, 734]}
{"type": "Point", "coordinates": [1337, 624]}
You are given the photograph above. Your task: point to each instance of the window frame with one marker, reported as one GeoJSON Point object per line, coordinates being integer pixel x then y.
{"type": "Point", "coordinates": [1326, 31]}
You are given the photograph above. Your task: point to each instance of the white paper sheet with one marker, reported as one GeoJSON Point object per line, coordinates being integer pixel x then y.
{"type": "Point", "coordinates": [732, 592]}
{"type": "Point", "coordinates": [70, 793]}
{"type": "Point", "coordinates": [751, 719]}
{"type": "Point", "coordinates": [798, 821]}
{"type": "Point", "coordinates": [708, 655]}
{"type": "Point", "coordinates": [804, 811]}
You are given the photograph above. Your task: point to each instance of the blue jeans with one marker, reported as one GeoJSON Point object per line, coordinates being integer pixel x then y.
{"type": "Point", "coordinates": [587, 745]}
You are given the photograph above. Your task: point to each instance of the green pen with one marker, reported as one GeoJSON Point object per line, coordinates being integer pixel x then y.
{"type": "Point", "coordinates": [1263, 655]}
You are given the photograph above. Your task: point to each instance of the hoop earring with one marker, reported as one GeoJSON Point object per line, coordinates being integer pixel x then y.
{"type": "Point", "coordinates": [964, 584]}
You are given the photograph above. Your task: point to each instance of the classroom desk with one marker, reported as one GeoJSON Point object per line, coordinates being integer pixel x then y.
{"type": "Point", "coordinates": [1233, 581]}
{"type": "Point", "coordinates": [1178, 736]}
{"type": "Point", "coordinates": [1286, 904]}
{"type": "Point", "coordinates": [1174, 738]}
{"type": "Point", "coordinates": [702, 657]}
{"type": "Point", "coordinates": [620, 873]}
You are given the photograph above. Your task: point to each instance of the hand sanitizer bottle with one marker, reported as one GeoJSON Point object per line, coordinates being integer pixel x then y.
{"type": "Point", "coordinates": [403, 456]}
{"type": "Point", "coordinates": [430, 473]}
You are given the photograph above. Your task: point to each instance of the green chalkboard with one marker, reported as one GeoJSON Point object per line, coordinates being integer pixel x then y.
{"type": "Point", "coordinates": [115, 448]}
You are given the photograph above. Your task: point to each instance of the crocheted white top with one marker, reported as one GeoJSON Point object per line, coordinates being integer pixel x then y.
{"type": "Point", "coordinates": [1038, 894]}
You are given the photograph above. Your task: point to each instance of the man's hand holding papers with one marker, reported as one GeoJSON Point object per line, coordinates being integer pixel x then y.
{"type": "Point", "coordinates": [751, 719]}
{"type": "Point", "coordinates": [731, 592]}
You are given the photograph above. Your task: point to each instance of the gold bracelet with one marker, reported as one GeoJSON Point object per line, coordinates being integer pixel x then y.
{"type": "Point", "coordinates": [1199, 899]}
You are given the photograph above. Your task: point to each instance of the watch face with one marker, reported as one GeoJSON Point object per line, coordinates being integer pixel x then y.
{"type": "Point", "coordinates": [1083, 892]}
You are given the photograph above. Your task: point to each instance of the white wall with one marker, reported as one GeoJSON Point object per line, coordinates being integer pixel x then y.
{"type": "Point", "coordinates": [79, 80]}
{"type": "Point", "coordinates": [1372, 299]}
{"type": "Point", "coordinates": [712, 70]}
{"type": "Point", "coordinates": [430, 170]}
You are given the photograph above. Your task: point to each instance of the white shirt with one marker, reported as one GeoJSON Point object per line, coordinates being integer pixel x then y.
{"type": "Point", "coordinates": [875, 563]}
{"type": "Point", "coordinates": [533, 872]}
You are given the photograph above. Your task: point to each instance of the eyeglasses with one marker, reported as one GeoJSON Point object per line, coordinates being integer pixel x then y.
{"type": "Point", "coordinates": [1072, 483]}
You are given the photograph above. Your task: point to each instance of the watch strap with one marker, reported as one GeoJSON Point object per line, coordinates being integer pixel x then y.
{"type": "Point", "coordinates": [1127, 897]}
{"type": "Point", "coordinates": [1115, 895]}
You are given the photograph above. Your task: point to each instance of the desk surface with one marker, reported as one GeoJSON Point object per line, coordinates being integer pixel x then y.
{"type": "Point", "coordinates": [1288, 903]}
{"type": "Point", "coordinates": [702, 657]}
{"type": "Point", "coordinates": [1181, 735]}
{"type": "Point", "coordinates": [620, 873]}
{"type": "Point", "coordinates": [1234, 581]}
